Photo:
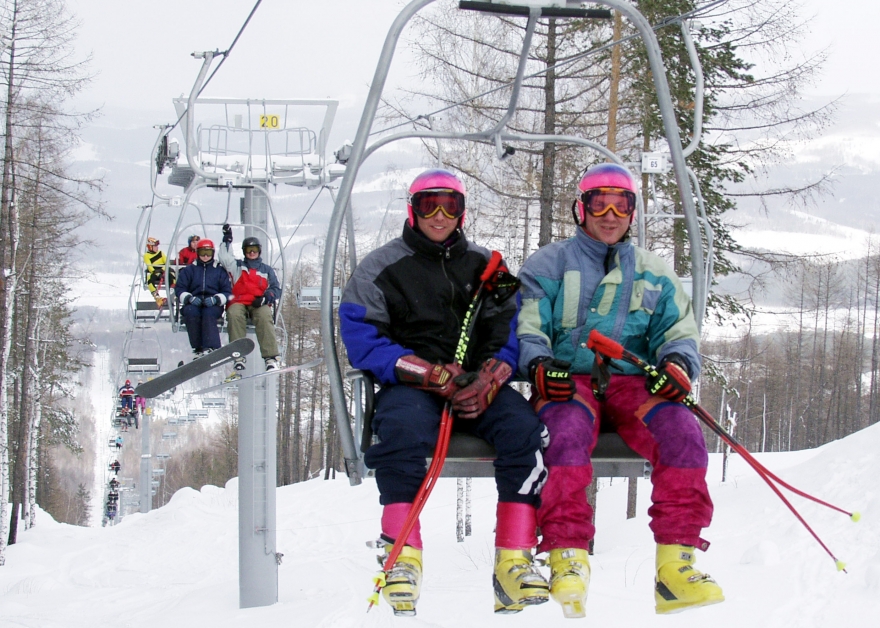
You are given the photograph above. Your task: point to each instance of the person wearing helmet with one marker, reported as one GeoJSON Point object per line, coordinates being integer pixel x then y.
{"type": "Point", "coordinates": [154, 263]}
{"type": "Point", "coordinates": [401, 318]}
{"type": "Point", "coordinates": [187, 254]}
{"type": "Point", "coordinates": [126, 398]}
{"type": "Point", "coordinates": [255, 290]}
{"type": "Point", "coordinates": [202, 290]}
{"type": "Point", "coordinates": [600, 280]}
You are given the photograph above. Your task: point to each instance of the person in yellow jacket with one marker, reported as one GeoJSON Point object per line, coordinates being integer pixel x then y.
{"type": "Point", "coordinates": [154, 263]}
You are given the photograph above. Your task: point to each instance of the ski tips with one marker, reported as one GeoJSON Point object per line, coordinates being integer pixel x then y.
{"type": "Point", "coordinates": [856, 517]}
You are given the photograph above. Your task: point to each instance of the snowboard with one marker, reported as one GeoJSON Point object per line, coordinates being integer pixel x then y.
{"type": "Point", "coordinates": [224, 355]}
{"type": "Point", "coordinates": [286, 369]}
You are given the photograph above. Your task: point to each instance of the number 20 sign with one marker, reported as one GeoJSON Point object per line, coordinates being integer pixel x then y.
{"type": "Point", "coordinates": [269, 122]}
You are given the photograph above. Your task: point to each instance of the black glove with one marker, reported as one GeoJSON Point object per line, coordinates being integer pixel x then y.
{"type": "Point", "coordinates": [270, 298]}
{"type": "Point", "coordinates": [186, 298]}
{"type": "Point", "coordinates": [211, 301]}
{"type": "Point", "coordinates": [258, 302]}
{"type": "Point", "coordinates": [227, 233]}
{"type": "Point", "coordinates": [552, 378]}
{"type": "Point", "coordinates": [196, 301]}
{"type": "Point", "coordinates": [670, 380]}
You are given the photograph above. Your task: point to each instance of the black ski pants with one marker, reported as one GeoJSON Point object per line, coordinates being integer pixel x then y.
{"type": "Point", "coordinates": [407, 422]}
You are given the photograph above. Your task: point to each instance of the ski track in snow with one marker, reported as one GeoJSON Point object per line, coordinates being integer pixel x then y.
{"type": "Point", "coordinates": [102, 394]}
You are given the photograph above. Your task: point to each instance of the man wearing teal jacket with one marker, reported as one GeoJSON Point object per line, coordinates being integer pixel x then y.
{"type": "Point", "coordinates": [599, 280]}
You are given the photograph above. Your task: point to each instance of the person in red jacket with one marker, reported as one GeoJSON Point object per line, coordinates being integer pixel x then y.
{"type": "Point", "coordinates": [188, 254]}
{"type": "Point", "coordinates": [255, 290]}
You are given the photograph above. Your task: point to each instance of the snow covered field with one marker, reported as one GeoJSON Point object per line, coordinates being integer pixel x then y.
{"type": "Point", "coordinates": [176, 567]}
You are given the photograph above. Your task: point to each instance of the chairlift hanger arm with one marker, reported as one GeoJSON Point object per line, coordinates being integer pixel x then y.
{"type": "Point", "coordinates": [545, 11]}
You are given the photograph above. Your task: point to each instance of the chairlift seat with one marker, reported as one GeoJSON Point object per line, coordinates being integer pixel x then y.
{"type": "Point", "coordinates": [142, 365]}
{"type": "Point", "coordinates": [197, 413]}
{"type": "Point", "coordinates": [309, 297]}
{"type": "Point", "coordinates": [472, 457]}
{"type": "Point", "coordinates": [147, 310]}
{"type": "Point", "coordinates": [213, 402]}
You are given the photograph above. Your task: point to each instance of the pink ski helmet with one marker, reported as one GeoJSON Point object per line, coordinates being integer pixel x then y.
{"type": "Point", "coordinates": [435, 190]}
{"type": "Point", "coordinates": [603, 176]}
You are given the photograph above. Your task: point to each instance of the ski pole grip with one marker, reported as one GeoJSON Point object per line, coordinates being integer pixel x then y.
{"type": "Point", "coordinates": [604, 345]}
{"type": "Point", "coordinates": [491, 267]}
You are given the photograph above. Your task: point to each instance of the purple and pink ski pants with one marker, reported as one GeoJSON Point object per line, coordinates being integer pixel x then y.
{"type": "Point", "coordinates": [667, 434]}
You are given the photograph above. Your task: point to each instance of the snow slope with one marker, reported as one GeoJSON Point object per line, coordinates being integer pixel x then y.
{"type": "Point", "coordinates": [176, 567]}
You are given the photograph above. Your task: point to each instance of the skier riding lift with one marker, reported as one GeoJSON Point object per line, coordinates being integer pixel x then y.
{"type": "Point", "coordinates": [155, 262]}
{"type": "Point", "coordinates": [203, 289]}
{"type": "Point", "coordinates": [126, 397]}
{"type": "Point", "coordinates": [600, 280]}
{"type": "Point", "coordinates": [255, 290]}
{"type": "Point", "coordinates": [400, 319]}
{"type": "Point", "coordinates": [188, 254]}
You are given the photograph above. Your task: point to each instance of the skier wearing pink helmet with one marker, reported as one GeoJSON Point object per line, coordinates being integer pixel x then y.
{"type": "Point", "coordinates": [436, 191]}
{"type": "Point", "coordinates": [599, 280]}
{"type": "Point", "coordinates": [400, 318]}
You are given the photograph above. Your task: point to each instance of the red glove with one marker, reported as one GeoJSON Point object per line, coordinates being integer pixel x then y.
{"type": "Point", "coordinates": [421, 374]}
{"type": "Point", "coordinates": [669, 381]}
{"type": "Point", "coordinates": [552, 378]}
{"type": "Point", "coordinates": [480, 389]}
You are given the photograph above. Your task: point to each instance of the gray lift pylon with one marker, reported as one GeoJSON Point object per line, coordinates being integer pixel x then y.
{"type": "Point", "coordinates": [257, 556]}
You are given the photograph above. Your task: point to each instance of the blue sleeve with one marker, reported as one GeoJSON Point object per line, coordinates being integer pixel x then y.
{"type": "Point", "coordinates": [225, 283]}
{"type": "Point", "coordinates": [509, 352]}
{"type": "Point", "coordinates": [183, 282]}
{"type": "Point", "coordinates": [274, 288]}
{"type": "Point", "coordinates": [367, 349]}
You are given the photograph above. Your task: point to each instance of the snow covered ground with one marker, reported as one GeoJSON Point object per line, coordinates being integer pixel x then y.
{"type": "Point", "coordinates": [177, 566]}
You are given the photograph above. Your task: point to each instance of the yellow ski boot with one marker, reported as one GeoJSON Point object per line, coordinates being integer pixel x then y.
{"type": "Point", "coordinates": [678, 586]}
{"type": "Point", "coordinates": [403, 581]}
{"type": "Point", "coordinates": [569, 580]}
{"type": "Point", "coordinates": [517, 582]}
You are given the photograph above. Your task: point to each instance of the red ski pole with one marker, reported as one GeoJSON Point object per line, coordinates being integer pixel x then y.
{"type": "Point", "coordinates": [442, 446]}
{"type": "Point", "coordinates": [609, 348]}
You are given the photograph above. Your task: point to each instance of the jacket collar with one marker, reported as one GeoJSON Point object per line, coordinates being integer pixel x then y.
{"type": "Point", "coordinates": [456, 245]}
{"type": "Point", "coordinates": [253, 263]}
{"type": "Point", "coordinates": [599, 251]}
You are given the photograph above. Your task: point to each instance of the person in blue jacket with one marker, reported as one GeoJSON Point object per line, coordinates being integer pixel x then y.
{"type": "Point", "coordinates": [203, 289]}
{"type": "Point", "coordinates": [401, 316]}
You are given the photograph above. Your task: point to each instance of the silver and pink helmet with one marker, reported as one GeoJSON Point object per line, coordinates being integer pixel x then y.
{"type": "Point", "coordinates": [604, 177]}
{"type": "Point", "coordinates": [433, 191]}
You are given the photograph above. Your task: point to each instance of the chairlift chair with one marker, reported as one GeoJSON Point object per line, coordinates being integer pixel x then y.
{"type": "Point", "coordinates": [617, 459]}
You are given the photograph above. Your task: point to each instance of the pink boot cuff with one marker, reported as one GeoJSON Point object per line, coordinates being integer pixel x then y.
{"type": "Point", "coordinates": [515, 526]}
{"type": "Point", "coordinates": [393, 517]}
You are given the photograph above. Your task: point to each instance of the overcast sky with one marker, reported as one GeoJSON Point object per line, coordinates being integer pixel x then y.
{"type": "Point", "coordinates": [321, 49]}
{"type": "Point", "coordinates": [329, 48]}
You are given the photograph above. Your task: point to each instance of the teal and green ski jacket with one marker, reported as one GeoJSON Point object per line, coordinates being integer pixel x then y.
{"type": "Point", "coordinates": [627, 293]}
